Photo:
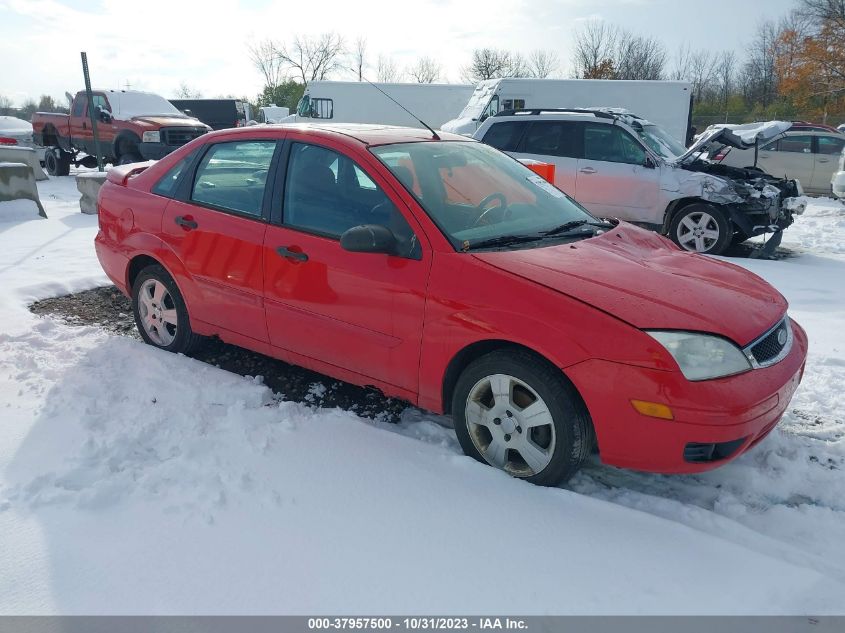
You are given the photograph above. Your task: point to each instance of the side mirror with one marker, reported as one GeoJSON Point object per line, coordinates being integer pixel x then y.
{"type": "Point", "coordinates": [369, 238]}
{"type": "Point", "coordinates": [105, 115]}
{"type": "Point", "coordinates": [649, 163]}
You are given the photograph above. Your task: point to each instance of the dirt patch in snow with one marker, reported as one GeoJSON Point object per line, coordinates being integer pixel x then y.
{"type": "Point", "coordinates": [109, 309]}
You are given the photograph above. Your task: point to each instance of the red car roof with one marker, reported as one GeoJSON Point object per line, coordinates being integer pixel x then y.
{"type": "Point", "coordinates": [364, 132]}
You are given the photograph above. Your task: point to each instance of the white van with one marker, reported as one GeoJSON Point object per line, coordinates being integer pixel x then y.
{"type": "Point", "coordinates": [666, 103]}
{"type": "Point", "coordinates": [361, 102]}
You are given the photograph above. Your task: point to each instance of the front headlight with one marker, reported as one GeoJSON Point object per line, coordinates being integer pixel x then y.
{"type": "Point", "coordinates": [151, 137]}
{"type": "Point", "coordinates": [702, 356]}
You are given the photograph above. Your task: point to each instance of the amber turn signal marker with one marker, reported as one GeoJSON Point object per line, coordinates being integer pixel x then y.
{"type": "Point", "coordinates": [653, 409]}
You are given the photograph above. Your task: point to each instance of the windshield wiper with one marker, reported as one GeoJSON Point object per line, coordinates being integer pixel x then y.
{"type": "Point", "coordinates": [574, 224]}
{"type": "Point", "coordinates": [502, 240]}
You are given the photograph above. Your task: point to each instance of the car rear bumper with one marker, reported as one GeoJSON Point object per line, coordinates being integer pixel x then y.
{"type": "Point", "coordinates": [714, 422]}
{"type": "Point", "coordinates": [114, 263]}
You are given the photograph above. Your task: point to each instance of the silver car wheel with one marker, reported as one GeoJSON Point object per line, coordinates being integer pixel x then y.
{"type": "Point", "coordinates": [158, 312]}
{"type": "Point", "coordinates": [698, 232]}
{"type": "Point", "coordinates": [510, 425]}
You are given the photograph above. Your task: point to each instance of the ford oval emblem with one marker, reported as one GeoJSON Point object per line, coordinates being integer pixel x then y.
{"type": "Point", "coordinates": [782, 337]}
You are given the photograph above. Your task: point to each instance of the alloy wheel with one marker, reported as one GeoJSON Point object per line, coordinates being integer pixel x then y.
{"type": "Point", "coordinates": [698, 232]}
{"type": "Point", "coordinates": [510, 425]}
{"type": "Point", "coordinates": [158, 312]}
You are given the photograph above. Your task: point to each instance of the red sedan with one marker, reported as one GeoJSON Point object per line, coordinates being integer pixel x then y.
{"type": "Point", "coordinates": [442, 272]}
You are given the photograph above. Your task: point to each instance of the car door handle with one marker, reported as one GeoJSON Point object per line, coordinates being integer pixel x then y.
{"type": "Point", "coordinates": [289, 254]}
{"type": "Point", "coordinates": [823, 160]}
{"type": "Point", "coordinates": [186, 222]}
{"type": "Point", "coordinates": [587, 170]}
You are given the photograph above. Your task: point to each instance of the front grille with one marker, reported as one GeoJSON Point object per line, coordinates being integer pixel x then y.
{"type": "Point", "coordinates": [178, 136]}
{"type": "Point", "coordinates": [773, 345]}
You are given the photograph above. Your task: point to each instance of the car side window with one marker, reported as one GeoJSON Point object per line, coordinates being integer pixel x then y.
{"type": "Point", "coordinates": [505, 135]}
{"type": "Point", "coordinates": [327, 193]}
{"type": "Point", "coordinates": [100, 102]}
{"type": "Point", "coordinates": [322, 108]}
{"type": "Point", "coordinates": [830, 145]}
{"type": "Point", "coordinates": [793, 144]}
{"type": "Point", "coordinates": [611, 144]}
{"type": "Point", "coordinates": [232, 176]}
{"type": "Point", "coordinates": [169, 183]}
{"type": "Point", "coordinates": [79, 105]}
{"type": "Point", "coordinates": [552, 138]}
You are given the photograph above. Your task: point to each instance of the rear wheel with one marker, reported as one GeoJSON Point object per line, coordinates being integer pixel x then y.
{"type": "Point", "coordinates": [515, 412]}
{"type": "Point", "coordinates": [701, 228]}
{"type": "Point", "coordinates": [57, 162]}
{"type": "Point", "coordinates": [161, 315]}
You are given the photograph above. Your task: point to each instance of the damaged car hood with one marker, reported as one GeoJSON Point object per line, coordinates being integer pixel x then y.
{"type": "Point", "coordinates": [740, 136]}
{"type": "Point", "coordinates": [643, 279]}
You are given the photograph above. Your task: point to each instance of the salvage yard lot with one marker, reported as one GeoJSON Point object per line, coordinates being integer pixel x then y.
{"type": "Point", "coordinates": [134, 481]}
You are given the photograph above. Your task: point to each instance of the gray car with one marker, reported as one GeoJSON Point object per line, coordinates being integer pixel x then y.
{"type": "Point", "coordinates": [18, 134]}
{"type": "Point", "coordinates": [811, 157]}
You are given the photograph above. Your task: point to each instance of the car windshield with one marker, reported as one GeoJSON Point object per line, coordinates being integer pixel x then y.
{"type": "Point", "coordinates": [478, 196]}
{"type": "Point", "coordinates": [661, 142]}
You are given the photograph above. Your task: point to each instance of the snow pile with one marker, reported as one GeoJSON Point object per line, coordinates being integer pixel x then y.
{"type": "Point", "coordinates": [135, 481]}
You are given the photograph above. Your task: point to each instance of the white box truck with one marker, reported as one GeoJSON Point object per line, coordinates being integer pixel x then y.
{"type": "Point", "coordinates": [666, 103]}
{"type": "Point", "coordinates": [272, 113]}
{"type": "Point", "coordinates": [361, 102]}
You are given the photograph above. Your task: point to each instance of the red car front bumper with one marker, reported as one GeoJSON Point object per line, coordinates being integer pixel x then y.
{"type": "Point", "coordinates": [732, 413]}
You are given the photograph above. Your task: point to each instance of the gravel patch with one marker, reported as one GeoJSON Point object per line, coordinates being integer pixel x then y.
{"type": "Point", "coordinates": [109, 309]}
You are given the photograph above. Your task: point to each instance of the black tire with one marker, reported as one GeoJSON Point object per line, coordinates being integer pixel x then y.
{"type": "Point", "coordinates": [718, 222]}
{"type": "Point", "coordinates": [573, 436]}
{"type": "Point", "coordinates": [129, 158]}
{"type": "Point", "coordinates": [184, 341]}
{"type": "Point", "coordinates": [56, 162]}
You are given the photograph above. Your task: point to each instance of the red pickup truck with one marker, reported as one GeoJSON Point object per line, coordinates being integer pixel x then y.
{"type": "Point", "coordinates": [131, 126]}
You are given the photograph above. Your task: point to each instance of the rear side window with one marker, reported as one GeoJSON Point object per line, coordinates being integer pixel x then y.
{"type": "Point", "coordinates": [169, 183]}
{"type": "Point", "coordinates": [505, 135]}
{"type": "Point", "coordinates": [553, 138]}
{"type": "Point", "coordinates": [79, 105]}
{"type": "Point", "coordinates": [793, 144]}
{"type": "Point", "coordinates": [611, 144]}
{"type": "Point", "coordinates": [831, 145]}
{"type": "Point", "coordinates": [232, 176]}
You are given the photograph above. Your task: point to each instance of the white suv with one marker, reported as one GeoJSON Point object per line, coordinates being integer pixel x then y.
{"type": "Point", "coordinates": [618, 165]}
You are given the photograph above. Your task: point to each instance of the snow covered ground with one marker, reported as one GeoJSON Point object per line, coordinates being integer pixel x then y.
{"type": "Point", "coordinates": [134, 481]}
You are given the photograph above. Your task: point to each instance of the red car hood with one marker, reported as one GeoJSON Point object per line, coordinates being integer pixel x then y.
{"type": "Point", "coordinates": [643, 279]}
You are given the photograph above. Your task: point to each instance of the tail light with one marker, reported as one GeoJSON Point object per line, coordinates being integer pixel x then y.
{"type": "Point", "coordinates": [7, 140]}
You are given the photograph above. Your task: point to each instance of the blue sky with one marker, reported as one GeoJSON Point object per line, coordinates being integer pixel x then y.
{"type": "Point", "coordinates": [158, 44]}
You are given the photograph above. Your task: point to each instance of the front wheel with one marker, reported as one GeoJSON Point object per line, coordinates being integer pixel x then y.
{"type": "Point", "coordinates": [517, 413]}
{"type": "Point", "coordinates": [701, 228]}
{"type": "Point", "coordinates": [161, 315]}
{"type": "Point", "coordinates": [129, 157]}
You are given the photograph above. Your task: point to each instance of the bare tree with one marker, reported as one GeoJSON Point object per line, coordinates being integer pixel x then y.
{"type": "Point", "coordinates": [359, 54]}
{"type": "Point", "coordinates": [186, 92]}
{"type": "Point", "coordinates": [490, 63]}
{"type": "Point", "coordinates": [725, 70]}
{"type": "Point", "coordinates": [265, 57]}
{"type": "Point", "coordinates": [5, 105]}
{"type": "Point", "coordinates": [825, 11]}
{"type": "Point", "coordinates": [312, 58]}
{"type": "Point", "coordinates": [604, 51]}
{"type": "Point", "coordinates": [425, 71]}
{"type": "Point", "coordinates": [543, 64]}
{"type": "Point", "coordinates": [594, 49]}
{"type": "Point", "coordinates": [387, 70]}
{"type": "Point", "coordinates": [639, 57]}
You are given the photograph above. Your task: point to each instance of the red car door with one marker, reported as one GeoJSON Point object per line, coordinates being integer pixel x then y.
{"type": "Point", "coordinates": [218, 234]}
{"type": "Point", "coordinates": [361, 312]}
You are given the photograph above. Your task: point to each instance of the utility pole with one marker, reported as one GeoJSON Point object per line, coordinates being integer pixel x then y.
{"type": "Point", "coordinates": [91, 116]}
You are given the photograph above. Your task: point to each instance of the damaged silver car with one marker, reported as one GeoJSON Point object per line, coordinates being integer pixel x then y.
{"type": "Point", "coordinates": [617, 164]}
